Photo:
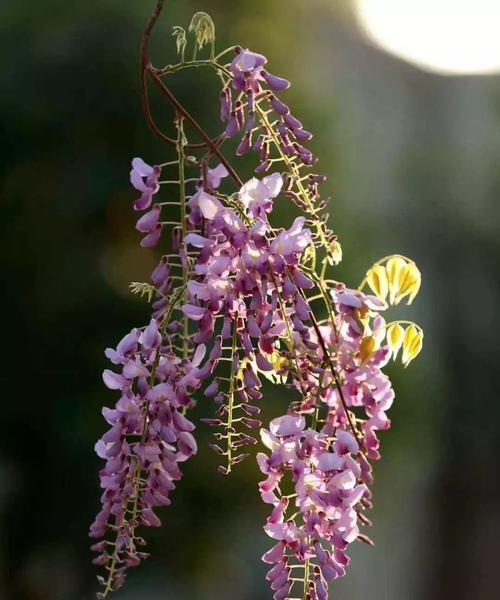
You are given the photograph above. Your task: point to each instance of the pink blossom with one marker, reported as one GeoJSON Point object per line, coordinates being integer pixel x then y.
{"type": "Point", "coordinates": [144, 178]}
{"type": "Point", "coordinates": [257, 195]}
{"type": "Point", "coordinates": [287, 425]}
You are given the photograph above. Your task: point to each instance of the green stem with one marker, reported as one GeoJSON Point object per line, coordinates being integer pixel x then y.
{"type": "Point", "coordinates": [306, 577]}
{"type": "Point", "coordinates": [182, 199]}
{"type": "Point", "coordinates": [230, 400]}
{"type": "Point", "coordinates": [290, 338]}
{"type": "Point", "coordinates": [294, 171]}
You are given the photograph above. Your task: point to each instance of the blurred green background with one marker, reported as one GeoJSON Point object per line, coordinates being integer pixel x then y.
{"type": "Point", "coordinates": [413, 166]}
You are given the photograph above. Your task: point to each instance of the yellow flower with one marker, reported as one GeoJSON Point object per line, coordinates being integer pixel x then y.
{"type": "Point", "coordinates": [412, 344]}
{"type": "Point", "coordinates": [394, 267]}
{"type": "Point", "coordinates": [335, 252]}
{"type": "Point", "coordinates": [367, 348]}
{"type": "Point", "coordinates": [309, 256]}
{"type": "Point", "coordinates": [279, 362]}
{"type": "Point", "coordinates": [377, 280]}
{"type": "Point", "coordinates": [395, 334]}
{"type": "Point", "coordinates": [203, 28]}
{"type": "Point", "coordinates": [403, 279]}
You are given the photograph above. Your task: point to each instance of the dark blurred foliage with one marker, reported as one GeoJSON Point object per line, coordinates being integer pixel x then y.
{"type": "Point", "coordinates": [412, 161]}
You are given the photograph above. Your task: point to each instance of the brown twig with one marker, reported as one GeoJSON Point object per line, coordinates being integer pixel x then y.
{"type": "Point", "coordinates": [336, 378]}
{"type": "Point", "coordinates": [147, 69]}
{"type": "Point", "coordinates": [144, 72]}
{"type": "Point", "coordinates": [212, 144]}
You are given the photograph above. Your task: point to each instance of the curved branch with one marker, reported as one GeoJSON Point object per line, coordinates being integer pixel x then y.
{"type": "Point", "coordinates": [208, 142]}
{"type": "Point", "coordinates": [144, 61]}
{"type": "Point", "coordinates": [146, 68]}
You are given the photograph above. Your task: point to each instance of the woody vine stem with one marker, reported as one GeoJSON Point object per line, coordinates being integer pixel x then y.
{"type": "Point", "coordinates": [235, 298]}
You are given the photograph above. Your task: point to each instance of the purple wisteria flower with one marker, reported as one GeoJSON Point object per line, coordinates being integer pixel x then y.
{"type": "Point", "coordinates": [257, 196]}
{"type": "Point", "coordinates": [148, 440]}
{"type": "Point", "coordinates": [235, 300]}
{"type": "Point", "coordinates": [247, 69]}
{"type": "Point", "coordinates": [144, 178]}
{"type": "Point", "coordinates": [326, 478]}
{"type": "Point", "coordinates": [215, 176]}
{"type": "Point", "coordinates": [292, 241]}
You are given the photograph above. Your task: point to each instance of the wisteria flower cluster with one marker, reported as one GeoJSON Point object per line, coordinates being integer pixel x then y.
{"type": "Point", "coordinates": [236, 298]}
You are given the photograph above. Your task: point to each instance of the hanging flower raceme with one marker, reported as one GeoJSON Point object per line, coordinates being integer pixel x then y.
{"type": "Point", "coordinates": [148, 439]}
{"type": "Point", "coordinates": [315, 523]}
{"type": "Point", "coordinates": [237, 297]}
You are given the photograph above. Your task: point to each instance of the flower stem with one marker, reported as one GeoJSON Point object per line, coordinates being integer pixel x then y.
{"type": "Point", "coordinates": [230, 399]}
{"type": "Point", "coordinates": [182, 199]}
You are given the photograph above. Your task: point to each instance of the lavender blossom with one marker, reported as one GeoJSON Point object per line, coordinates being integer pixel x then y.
{"type": "Point", "coordinates": [144, 178]}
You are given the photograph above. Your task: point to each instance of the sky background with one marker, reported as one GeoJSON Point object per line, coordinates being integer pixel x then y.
{"type": "Point", "coordinates": [412, 160]}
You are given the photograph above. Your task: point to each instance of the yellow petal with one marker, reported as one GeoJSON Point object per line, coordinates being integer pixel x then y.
{"type": "Point", "coordinates": [409, 282]}
{"type": "Point", "coordinates": [395, 334]}
{"type": "Point", "coordinates": [335, 254]}
{"type": "Point", "coordinates": [367, 347]}
{"type": "Point", "coordinates": [417, 279]}
{"type": "Point", "coordinates": [412, 344]}
{"type": "Point", "coordinates": [413, 292]}
{"type": "Point", "coordinates": [404, 280]}
{"type": "Point", "coordinates": [394, 266]}
{"type": "Point", "coordinates": [278, 362]}
{"type": "Point", "coordinates": [377, 280]}
{"type": "Point", "coordinates": [309, 255]}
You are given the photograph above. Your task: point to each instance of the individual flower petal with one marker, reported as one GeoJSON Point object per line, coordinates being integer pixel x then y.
{"type": "Point", "coordinates": [346, 442]}
{"type": "Point", "coordinates": [408, 282]}
{"type": "Point", "coordinates": [114, 381]}
{"type": "Point", "coordinates": [150, 240]}
{"type": "Point", "coordinates": [149, 518]}
{"type": "Point", "coordinates": [101, 449]}
{"type": "Point", "coordinates": [395, 334]}
{"type": "Point", "coordinates": [209, 205]}
{"type": "Point", "coordinates": [276, 83]}
{"type": "Point", "coordinates": [141, 168]}
{"type": "Point", "coordinates": [275, 554]}
{"type": "Point", "coordinates": [329, 461]}
{"type": "Point", "coordinates": [268, 439]}
{"type": "Point", "coordinates": [412, 344]}
{"type": "Point", "coordinates": [151, 337]}
{"type": "Point", "coordinates": [278, 531]}
{"type": "Point", "coordinates": [132, 369]}
{"type": "Point", "coordinates": [247, 62]}
{"type": "Point", "coordinates": [394, 266]}
{"type": "Point", "coordinates": [294, 240]}
{"type": "Point", "coordinates": [199, 355]}
{"type": "Point", "coordinates": [287, 425]}
{"type": "Point", "coordinates": [367, 348]}
{"type": "Point", "coordinates": [215, 175]}
{"type": "Point", "coordinates": [232, 127]}
{"type": "Point", "coordinates": [198, 241]}
{"type": "Point", "coordinates": [378, 282]}
{"type": "Point", "coordinates": [274, 183]}
{"type": "Point", "coordinates": [194, 312]}
{"type": "Point", "coordinates": [149, 220]}
{"type": "Point", "coordinates": [187, 444]}
{"type": "Point", "coordinates": [348, 299]}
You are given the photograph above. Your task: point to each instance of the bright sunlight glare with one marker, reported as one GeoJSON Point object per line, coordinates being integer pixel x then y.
{"type": "Point", "coordinates": [449, 37]}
